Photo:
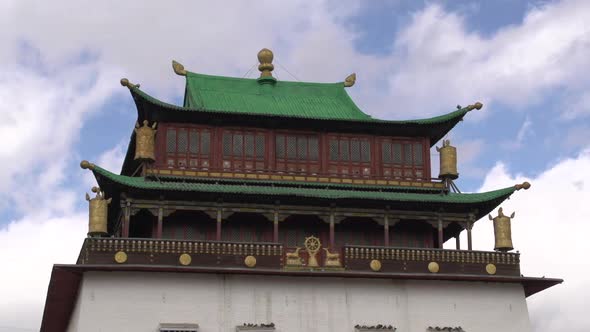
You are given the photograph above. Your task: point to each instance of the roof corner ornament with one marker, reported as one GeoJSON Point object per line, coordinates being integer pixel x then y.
{"type": "Point", "coordinates": [476, 106]}
{"type": "Point", "coordinates": [350, 80]}
{"type": "Point", "coordinates": [502, 232]}
{"type": "Point", "coordinates": [84, 164]}
{"type": "Point", "coordinates": [265, 57]}
{"type": "Point", "coordinates": [125, 82]}
{"type": "Point", "coordinates": [98, 212]}
{"type": "Point", "coordinates": [178, 68]}
{"type": "Point", "coordinates": [525, 185]}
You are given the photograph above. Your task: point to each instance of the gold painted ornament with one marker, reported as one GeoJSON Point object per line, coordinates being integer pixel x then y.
{"type": "Point", "coordinates": [502, 231]}
{"type": "Point", "coordinates": [312, 245]}
{"type": "Point", "coordinates": [448, 161]}
{"type": "Point", "coordinates": [185, 259]}
{"type": "Point", "coordinates": [250, 261]}
{"type": "Point", "coordinates": [98, 208]}
{"type": "Point", "coordinates": [375, 265]}
{"type": "Point", "coordinates": [433, 267]}
{"type": "Point", "coordinates": [491, 269]}
{"type": "Point", "coordinates": [120, 257]}
{"type": "Point", "coordinates": [145, 138]}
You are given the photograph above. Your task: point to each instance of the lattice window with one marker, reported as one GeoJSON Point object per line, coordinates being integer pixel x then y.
{"type": "Point", "coordinates": [249, 145]}
{"type": "Point", "coordinates": [280, 147]}
{"type": "Point", "coordinates": [227, 144]}
{"type": "Point", "coordinates": [365, 151]}
{"type": "Point", "coordinates": [386, 152]}
{"type": "Point", "coordinates": [194, 142]}
{"type": "Point", "coordinates": [260, 146]}
{"type": "Point", "coordinates": [171, 140]}
{"type": "Point", "coordinates": [238, 145]}
{"type": "Point", "coordinates": [291, 147]}
{"type": "Point", "coordinates": [355, 151]}
{"type": "Point", "coordinates": [302, 148]}
{"type": "Point", "coordinates": [397, 153]}
{"type": "Point", "coordinates": [313, 148]}
{"type": "Point", "coordinates": [407, 153]}
{"type": "Point", "coordinates": [418, 159]}
{"type": "Point", "coordinates": [344, 150]}
{"type": "Point", "coordinates": [334, 150]}
{"type": "Point", "coordinates": [187, 147]}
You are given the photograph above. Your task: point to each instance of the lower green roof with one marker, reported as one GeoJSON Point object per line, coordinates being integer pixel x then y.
{"type": "Point", "coordinates": [103, 175]}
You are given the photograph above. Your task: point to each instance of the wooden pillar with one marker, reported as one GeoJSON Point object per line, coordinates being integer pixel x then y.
{"type": "Point", "coordinates": [458, 242]}
{"type": "Point", "coordinates": [440, 233]}
{"type": "Point", "coordinates": [386, 230]}
{"type": "Point", "coordinates": [275, 233]}
{"type": "Point", "coordinates": [218, 233]}
{"type": "Point", "coordinates": [126, 221]}
{"type": "Point", "coordinates": [332, 230]}
{"type": "Point", "coordinates": [160, 223]}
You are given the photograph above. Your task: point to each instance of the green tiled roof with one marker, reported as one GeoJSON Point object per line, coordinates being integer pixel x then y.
{"type": "Point", "coordinates": [456, 115]}
{"type": "Point", "coordinates": [450, 198]}
{"type": "Point", "coordinates": [282, 98]}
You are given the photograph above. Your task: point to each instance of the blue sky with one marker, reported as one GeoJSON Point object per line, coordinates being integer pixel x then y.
{"type": "Point", "coordinates": [525, 60]}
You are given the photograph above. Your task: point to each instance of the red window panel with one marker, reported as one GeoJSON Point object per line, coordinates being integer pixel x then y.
{"type": "Point", "coordinates": [403, 159]}
{"type": "Point", "coordinates": [187, 147]}
{"type": "Point", "coordinates": [297, 153]}
{"type": "Point", "coordinates": [349, 156]}
{"type": "Point", "coordinates": [244, 151]}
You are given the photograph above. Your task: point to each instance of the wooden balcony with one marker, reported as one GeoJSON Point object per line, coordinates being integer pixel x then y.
{"type": "Point", "coordinates": [271, 256]}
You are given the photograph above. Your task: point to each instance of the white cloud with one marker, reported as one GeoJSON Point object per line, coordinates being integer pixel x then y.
{"type": "Point", "coordinates": [441, 63]}
{"type": "Point", "coordinates": [549, 230]}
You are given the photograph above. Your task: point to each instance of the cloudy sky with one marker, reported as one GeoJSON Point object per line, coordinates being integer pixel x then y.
{"type": "Point", "coordinates": [527, 61]}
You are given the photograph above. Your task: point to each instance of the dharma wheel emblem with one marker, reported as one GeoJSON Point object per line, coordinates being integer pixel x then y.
{"type": "Point", "coordinates": [312, 245]}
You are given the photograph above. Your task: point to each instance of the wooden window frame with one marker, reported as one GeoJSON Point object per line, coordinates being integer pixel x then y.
{"type": "Point", "coordinates": [243, 159]}
{"type": "Point", "coordinates": [203, 161]}
{"type": "Point", "coordinates": [404, 167]}
{"type": "Point", "coordinates": [347, 168]}
{"type": "Point", "coordinates": [297, 165]}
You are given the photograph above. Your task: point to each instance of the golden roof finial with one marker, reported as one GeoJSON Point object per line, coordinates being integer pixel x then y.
{"type": "Point", "coordinates": [125, 82]}
{"type": "Point", "coordinates": [525, 185]}
{"type": "Point", "coordinates": [349, 81]}
{"type": "Point", "coordinates": [476, 106]}
{"type": "Point", "coordinates": [84, 164]}
{"type": "Point", "coordinates": [265, 57]}
{"type": "Point", "coordinates": [178, 68]}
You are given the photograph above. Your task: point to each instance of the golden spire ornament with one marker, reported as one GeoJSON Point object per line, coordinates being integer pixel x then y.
{"type": "Point", "coordinates": [265, 57]}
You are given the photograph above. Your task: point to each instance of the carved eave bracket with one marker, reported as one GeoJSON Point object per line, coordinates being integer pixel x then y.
{"type": "Point", "coordinates": [178, 68]}
{"type": "Point", "coordinates": [350, 80]}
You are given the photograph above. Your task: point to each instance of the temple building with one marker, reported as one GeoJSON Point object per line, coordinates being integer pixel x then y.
{"type": "Point", "coordinates": [270, 205]}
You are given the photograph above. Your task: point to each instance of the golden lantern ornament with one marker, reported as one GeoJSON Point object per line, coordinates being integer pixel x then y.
{"type": "Point", "coordinates": [448, 161]}
{"type": "Point", "coordinates": [502, 231]}
{"type": "Point", "coordinates": [145, 138]}
{"type": "Point", "coordinates": [98, 213]}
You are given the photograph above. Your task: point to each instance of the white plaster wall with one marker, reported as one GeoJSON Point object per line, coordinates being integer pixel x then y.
{"type": "Point", "coordinates": [126, 301]}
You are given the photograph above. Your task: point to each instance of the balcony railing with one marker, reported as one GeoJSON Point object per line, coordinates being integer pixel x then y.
{"type": "Point", "coordinates": [273, 256]}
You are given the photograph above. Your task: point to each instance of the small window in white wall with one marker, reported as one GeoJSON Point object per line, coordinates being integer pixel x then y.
{"type": "Point", "coordinates": [270, 327]}
{"type": "Point", "coordinates": [182, 327]}
{"type": "Point", "coordinates": [374, 328]}
{"type": "Point", "coordinates": [445, 329]}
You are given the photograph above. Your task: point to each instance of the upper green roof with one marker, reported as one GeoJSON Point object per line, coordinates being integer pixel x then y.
{"type": "Point", "coordinates": [270, 97]}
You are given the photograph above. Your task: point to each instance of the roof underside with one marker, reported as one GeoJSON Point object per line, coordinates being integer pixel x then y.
{"type": "Point", "coordinates": [482, 202]}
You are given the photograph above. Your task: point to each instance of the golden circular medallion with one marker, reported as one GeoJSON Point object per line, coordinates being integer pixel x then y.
{"type": "Point", "coordinates": [375, 265]}
{"type": "Point", "coordinates": [185, 259]}
{"type": "Point", "coordinates": [433, 267]}
{"type": "Point", "coordinates": [491, 269]}
{"type": "Point", "coordinates": [250, 261]}
{"type": "Point", "coordinates": [120, 257]}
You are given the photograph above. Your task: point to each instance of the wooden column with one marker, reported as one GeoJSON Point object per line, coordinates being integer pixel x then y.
{"type": "Point", "coordinates": [386, 230]}
{"type": "Point", "coordinates": [218, 233]}
{"type": "Point", "coordinates": [126, 221]}
{"type": "Point", "coordinates": [457, 242]}
{"type": "Point", "coordinates": [160, 223]}
{"type": "Point", "coordinates": [275, 233]}
{"type": "Point", "coordinates": [440, 233]}
{"type": "Point", "coordinates": [332, 230]}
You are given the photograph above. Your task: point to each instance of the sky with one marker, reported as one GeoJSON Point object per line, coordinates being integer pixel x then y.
{"type": "Point", "coordinates": [526, 61]}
